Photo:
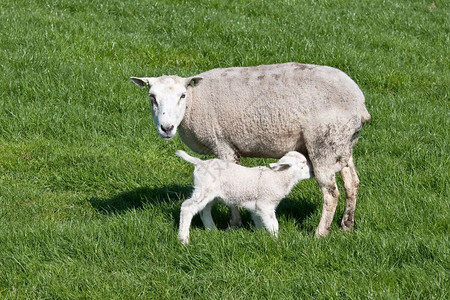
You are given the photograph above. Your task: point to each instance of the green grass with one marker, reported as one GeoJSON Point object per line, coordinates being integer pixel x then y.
{"type": "Point", "coordinates": [90, 195]}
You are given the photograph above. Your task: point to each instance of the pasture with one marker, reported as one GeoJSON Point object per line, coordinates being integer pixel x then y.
{"type": "Point", "coordinates": [90, 195]}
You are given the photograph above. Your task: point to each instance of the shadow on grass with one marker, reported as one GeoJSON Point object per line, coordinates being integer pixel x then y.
{"type": "Point", "coordinates": [297, 209]}
{"type": "Point", "coordinates": [168, 200]}
{"type": "Point", "coordinates": [137, 198]}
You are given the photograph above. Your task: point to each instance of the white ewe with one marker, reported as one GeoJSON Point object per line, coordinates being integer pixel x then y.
{"type": "Point", "coordinates": [258, 189]}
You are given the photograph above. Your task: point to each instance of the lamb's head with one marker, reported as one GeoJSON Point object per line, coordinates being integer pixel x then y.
{"type": "Point", "coordinates": [295, 162]}
{"type": "Point", "coordinates": [168, 100]}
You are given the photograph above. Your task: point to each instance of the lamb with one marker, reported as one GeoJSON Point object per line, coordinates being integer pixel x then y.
{"type": "Point", "coordinates": [267, 111]}
{"type": "Point", "coordinates": [258, 189]}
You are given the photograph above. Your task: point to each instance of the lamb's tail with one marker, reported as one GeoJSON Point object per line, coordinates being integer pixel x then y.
{"type": "Point", "coordinates": [193, 160]}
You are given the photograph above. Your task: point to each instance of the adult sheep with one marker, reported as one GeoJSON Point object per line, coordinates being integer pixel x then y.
{"type": "Point", "coordinates": [267, 111]}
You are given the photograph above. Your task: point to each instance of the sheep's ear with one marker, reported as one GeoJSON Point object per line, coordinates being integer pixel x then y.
{"type": "Point", "coordinates": [193, 81]}
{"type": "Point", "coordinates": [142, 81]}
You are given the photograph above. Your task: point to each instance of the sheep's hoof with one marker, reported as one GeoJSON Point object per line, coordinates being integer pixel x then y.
{"type": "Point", "coordinates": [347, 223]}
{"type": "Point", "coordinates": [347, 226]}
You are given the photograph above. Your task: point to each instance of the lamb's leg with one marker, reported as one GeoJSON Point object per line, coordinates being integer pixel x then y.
{"type": "Point", "coordinates": [269, 219]}
{"type": "Point", "coordinates": [256, 220]}
{"type": "Point", "coordinates": [206, 216]}
{"type": "Point", "coordinates": [226, 153]}
{"type": "Point", "coordinates": [189, 209]}
{"type": "Point", "coordinates": [327, 183]}
{"type": "Point", "coordinates": [351, 183]}
{"type": "Point", "coordinates": [235, 219]}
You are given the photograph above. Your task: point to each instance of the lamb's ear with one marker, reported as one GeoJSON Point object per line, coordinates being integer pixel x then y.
{"type": "Point", "coordinates": [142, 81]}
{"type": "Point", "coordinates": [279, 166]}
{"type": "Point", "coordinates": [193, 81]}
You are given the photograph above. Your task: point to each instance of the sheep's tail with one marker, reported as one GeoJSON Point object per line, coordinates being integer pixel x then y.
{"type": "Point", "coordinates": [193, 160]}
{"type": "Point", "coordinates": [365, 116]}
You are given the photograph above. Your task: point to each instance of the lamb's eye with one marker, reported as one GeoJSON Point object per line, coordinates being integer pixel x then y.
{"type": "Point", "coordinates": [183, 96]}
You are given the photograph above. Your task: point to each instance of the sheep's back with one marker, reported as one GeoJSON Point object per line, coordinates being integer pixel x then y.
{"type": "Point", "coordinates": [263, 111]}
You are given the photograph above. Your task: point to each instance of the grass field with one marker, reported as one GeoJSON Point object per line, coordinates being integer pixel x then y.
{"type": "Point", "coordinates": [90, 195]}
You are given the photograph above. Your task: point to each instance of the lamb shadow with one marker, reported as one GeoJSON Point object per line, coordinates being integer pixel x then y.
{"type": "Point", "coordinates": [168, 199]}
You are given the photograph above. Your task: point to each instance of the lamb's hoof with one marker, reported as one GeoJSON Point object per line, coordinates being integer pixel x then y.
{"type": "Point", "coordinates": [231, 227]}
{"type": "Point", "coordinates": [184, 241]}
{"type": "Point", "coordinates": [234, 224]}
{"type": "Point", "coordinates": [211, 228]}
{"type": "Point", "coordinates": [321, 233]}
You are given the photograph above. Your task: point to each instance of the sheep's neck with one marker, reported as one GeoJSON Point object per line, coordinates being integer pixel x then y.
{"type": "Point", "coordinates": [187, 129]}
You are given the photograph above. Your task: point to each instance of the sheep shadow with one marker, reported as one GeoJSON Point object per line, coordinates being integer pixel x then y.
{"type": "Point", "coordinates": [168, 200]}
{"type": "Point", "coordinates": [298, 209]}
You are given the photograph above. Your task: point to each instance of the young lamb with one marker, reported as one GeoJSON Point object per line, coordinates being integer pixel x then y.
{"type": "Point", "coordinates": [257, 189]}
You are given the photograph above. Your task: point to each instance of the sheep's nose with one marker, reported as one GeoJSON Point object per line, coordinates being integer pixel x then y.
{"type": "Point", "coordinates": [167, 129]}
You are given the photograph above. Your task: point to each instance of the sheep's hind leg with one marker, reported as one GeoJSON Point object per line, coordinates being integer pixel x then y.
{"type": "Point", "coordinates": [351, 183]}
{"type": "Point", "coordinates": [327, 183]}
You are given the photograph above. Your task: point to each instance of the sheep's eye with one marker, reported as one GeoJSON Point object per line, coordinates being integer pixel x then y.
{"type": "Point", "coordinates": [183, 96]}
{"type": "Point", "coordinates": [153, 100]}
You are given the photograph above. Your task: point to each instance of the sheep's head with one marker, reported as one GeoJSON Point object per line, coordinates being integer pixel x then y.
{"type": "Point", "coordinates": [295, 161]}
{"type": "Point", "coordinates": [168, 100]}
